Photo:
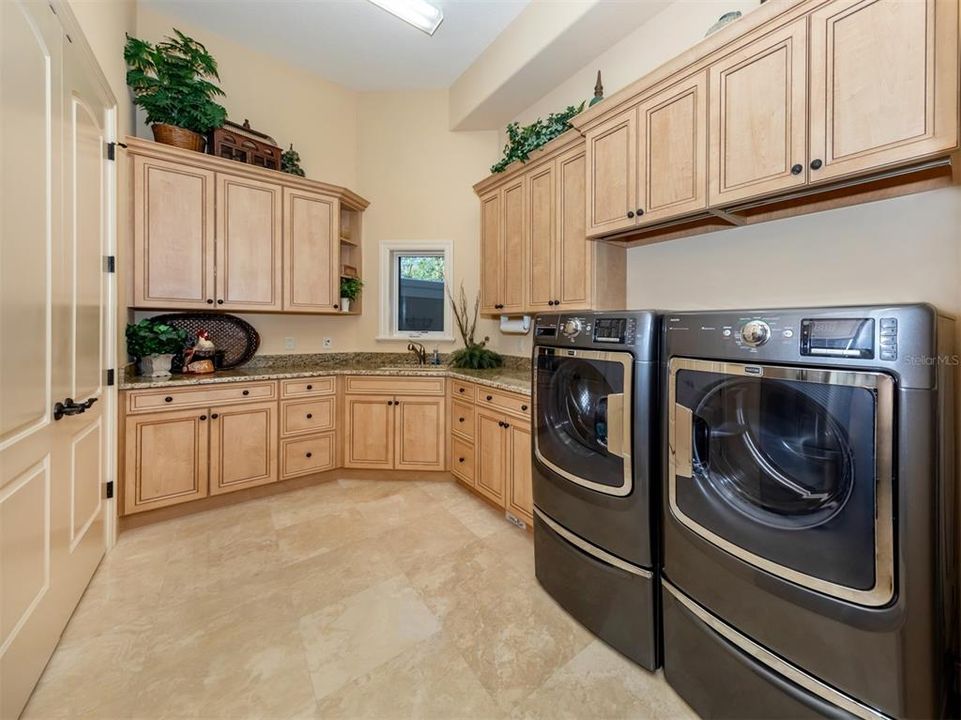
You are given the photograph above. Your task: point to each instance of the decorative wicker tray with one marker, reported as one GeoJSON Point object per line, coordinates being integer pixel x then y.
{"type": "Point", "coordinates": [237, 338]}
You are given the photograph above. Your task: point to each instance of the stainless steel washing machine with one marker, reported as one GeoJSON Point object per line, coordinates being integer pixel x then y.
{"type": "Point", "coordinates": [809, 514]}
{"type": "Point", "coordinates": [595, 457]}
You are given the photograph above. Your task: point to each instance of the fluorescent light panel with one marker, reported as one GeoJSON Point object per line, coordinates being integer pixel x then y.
{"type": "Point", "coordinates": [419, 13]}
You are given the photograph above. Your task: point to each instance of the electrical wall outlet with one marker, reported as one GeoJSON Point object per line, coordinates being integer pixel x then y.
{"type": "Point", "coordinates": [328, 343]}
{"type": "Point", "coordinates": [290, 343]}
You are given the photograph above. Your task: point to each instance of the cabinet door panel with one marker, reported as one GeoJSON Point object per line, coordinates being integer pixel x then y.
{"type": "Point", "coordinates": [369, 431]}
{"type": "Point", "coordinates": [673, 151]}
{"type": "Point", "coordinates": [758, 116]}
{"type": "Point", "coordinates": [512, 249]}
{"type": "Point", "coordinates": [243, 446]}
{"type": "Point", "coordinates": [612, 174]}
{"type": "Point", "coordinates": [521, 497]}
{"type": "Point", "coordinates": [311, 252]}
{"type": "Point", "coordinates": [883, 83]}
{"type": "Point", "coordinates": [540, 238]}
{"type": "Point", "coordinates": [249, 244]}
{"type": "Point", "coordinates": [308, 455]}
{"type": "Point", "coordinates": [490, 463]}
{"type": "Point", "coordinates": [490, 251]}
{"type": "Point", "coordinates": [173, 225]}
{"type": "Point", "coordinates": [419, 425]}
{"type": "Point", "coordinates": [575, 253]}
{"type": "Point", "coordinates": [165, 459]}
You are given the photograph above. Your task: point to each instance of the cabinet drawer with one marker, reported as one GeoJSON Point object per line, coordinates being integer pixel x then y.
{"type": "Point", "coordinates": [201, 396]}
{"type": "Point", "coordinates": [303, 387]}
{"type": "Point", "coordinates": [462, 419]}
{"type": "Point", "coordinates": [307, 416]}
{"type": "Point", "coordinates": [462, 459]}
{"type": "Point", "coordinates": [509, 402]}
{"type": "Point", "coordinates": [393, 385]}
{"type": "Point", "coordinates": [303, 456]}
{"type": "Point", "coordinates": [462, 390]}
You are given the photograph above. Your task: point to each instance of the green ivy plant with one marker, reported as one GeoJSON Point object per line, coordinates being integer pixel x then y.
{"type": "Point", "coordinates": [172, 82]}
{"type": "Point", "coordinates": [474, 355]}
{"type": "Point", "coordinates": [350, 287]}
{"type": "Point", "coordinates": [522, 141]}
{"type": "Point", "coordinates": [148, 337]}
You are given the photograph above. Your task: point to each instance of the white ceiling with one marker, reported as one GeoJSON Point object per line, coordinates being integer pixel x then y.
{"type": "Point", "coordinates": [354, 42]}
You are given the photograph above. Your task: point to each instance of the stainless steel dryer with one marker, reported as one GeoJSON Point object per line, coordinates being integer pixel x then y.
{"type": "Point", "coordinates": [594, 467]}
{"type": "Point", "coordinates": [809, 542]}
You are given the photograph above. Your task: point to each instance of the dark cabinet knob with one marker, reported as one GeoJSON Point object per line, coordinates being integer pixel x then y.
{"type": "Point", "coordinates": [550, 302]}
{"type": "Point", "coordinates": [797, 169]}
{"type": "Point", "coordinates": [557, 302]}
{"type": "Point", "coordinates": [506, 425]}
{"type": "Point", "coordinates": [460, 390]}
{"type": "Point", "coordinates": [460, 459]}
{"type": "Point", "coordinates": [460, 419]}
{"type": "Point", "coordinates": [210, 301]}
{"type": "Point", "coordinates": [246, 392]}
{"type": "Point", "coordinates": [310, 454]}
{"type": "Point", "coordinates": [203, 417]}
{"type": "Point", "coordinates": [220, 302]}
{"type": "Point", "coordinates": [214, 416]}
{"type": "Point", "coordinates": [630, 213]}
{"type": "Point", "coordinates": [500, 423]}
{"type": "Point", "coordinates": [390, 402]}
{"type": "Point", "coordinates": [816, 164]}
{"type": "Point", "coordinates": [640, 211]}
{"type": "Point", "coordinates": [168, 399]}
{"type": "Point", "coordinates": [310, 387]}
{"type": "Point", "coordinates": [489, 398]}
{"type": "Point", "coordinates": [336, 307]}
{"type": "Point", "coordinates": [309, 415]}
{"type": "Point", "coordinates": [524, 407]}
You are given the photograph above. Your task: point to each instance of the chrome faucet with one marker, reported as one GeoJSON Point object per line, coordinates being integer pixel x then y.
{"type": "Point", "coordinates": [419, 352]}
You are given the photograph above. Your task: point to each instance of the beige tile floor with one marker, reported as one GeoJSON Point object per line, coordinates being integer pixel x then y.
{"type": "Point", "coordinates": [351, 599]}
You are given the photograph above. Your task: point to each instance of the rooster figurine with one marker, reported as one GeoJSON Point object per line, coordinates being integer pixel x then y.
{"type": "Point", "coordinates": [199, 358]}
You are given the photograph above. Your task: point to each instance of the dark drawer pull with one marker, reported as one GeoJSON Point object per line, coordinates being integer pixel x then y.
{"type": "Point", "coordinates": [214, 416]}
{"type": "Point", "coordinates": [523, 407]}
{"type": "Point", "coordinates": [246, 392]}
{"type": "Point", "coordinates": [460, 459]}
{"type": "Point", "coordinates": [489, 398]}
{"type": "Point", "coordinates": [168, 399]}
{"type": "Point", "coordinates": [310, 387]}
{"type": "Point", "coordinates": [203, 417]}
{"type": "Point", "coordinates": [309, 415]}
{"type": "Point", "coordinates": [460, 390]}
{"type": "Point", "coordinates": [310, 454]}
{"type": "Point", "coordinates": [460, 419]}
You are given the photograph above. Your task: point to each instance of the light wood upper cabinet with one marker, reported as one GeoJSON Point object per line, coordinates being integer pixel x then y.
{"type": "Point", "coordinates": [369, 431]}
{"type": "Point", "coordinates": [884, 84]}
{"type": "Point", "coordinates": [520, 498]}
{"type": "Point", "coordinates": [542, 235]}
{"type": "Point", "coordinates": [249, 244]}
{"type": "Point", "coordinates": [419, 429]}
{"type": "Point", "coordinates": [173, 225]}
{"type": "Point", "coordinates": [311, 247]}
{"type": "Point", "coordinates": [512, 249]}
{"type": "Point", "coordinates": [758, 131]}
{"type": "Point", "coordinates": [243, 446]}
{"type": "Point", "coordinates": [165, 459]}
{"type": "Point", "coordinates": [612, 174]}
{"type": "Point", "coordinates": [574, 260]}
{"type": "Point", "coordinates": [672, 141]}
{"type": "Point", "coordinates": [490, 251]}
{"type": "Point", "coordinates": [491, 449]}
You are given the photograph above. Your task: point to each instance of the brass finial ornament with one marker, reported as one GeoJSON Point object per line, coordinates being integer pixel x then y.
{"type": "Point", "coordinates": [598, 91]}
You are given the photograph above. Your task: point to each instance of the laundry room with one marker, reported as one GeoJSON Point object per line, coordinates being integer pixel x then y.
{"type": "Point", "coordinates": [480, 359]}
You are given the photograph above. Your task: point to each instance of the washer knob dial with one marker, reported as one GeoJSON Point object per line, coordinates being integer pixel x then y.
{"type": "Point", "coordinates": [572, 328]}
{"type": "Point", "coordinates": [755, 333]}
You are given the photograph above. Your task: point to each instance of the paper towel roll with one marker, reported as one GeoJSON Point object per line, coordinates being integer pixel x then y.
{"type": "Point", "coordinates": [515, 326]}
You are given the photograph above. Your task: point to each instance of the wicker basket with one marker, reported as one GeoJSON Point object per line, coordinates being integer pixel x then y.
{"type": "Point", "coordinates": [178, 137]}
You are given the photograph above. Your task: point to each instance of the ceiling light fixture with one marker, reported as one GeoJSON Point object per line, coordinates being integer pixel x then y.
{"type": "Point", "coordinates": [419, 13]}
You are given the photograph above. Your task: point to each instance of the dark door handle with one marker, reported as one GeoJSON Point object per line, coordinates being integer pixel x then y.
{"type": "Point", "coordinates": [630, 213]}
{"type": "Point", "coordinates": [524, 407]}
{"type": "Point", "coordinates": [71, 407]}
{"type": "Point", "coordinates": [460, 390]}
{"type": "Point", "coordinates": [797, 169]}
{"type": "Point", "coordinates": [214, 416]}
{"type": "Point", "coordinates": [309, 415]}
{"type": "Point", "coordinates": [816, 164]}
{"type": "Point", "coordinates": [309, 454]}
{"type": "Point", "coordinates": [506, 425]}
{"type": "Point", "coordinates": [203, 417]}
{"type": "Point", "coordinates": [220, 302]}
{"type": "Point", "coordinates": [489, 398]}
{"type": "Point", "coordinates": [460, 459]}
{"type": "Point", "coordinates": [210, 301]}
{"type": "Point", "coordinates": [640, 211]}
{"type": "Point", "coordinates": [310, 387]}
{"type": "Point", "coordinates": [460, 419]}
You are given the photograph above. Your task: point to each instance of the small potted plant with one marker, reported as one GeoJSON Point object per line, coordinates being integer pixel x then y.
{"type": "Point", "coordinates": [172, 82]}
{"type": "Point", "coordinates": [474, 355]}
{"type": "Point", "coordinates": [349, 291]}
{"type": "Point", "coordinates": [154, 345]}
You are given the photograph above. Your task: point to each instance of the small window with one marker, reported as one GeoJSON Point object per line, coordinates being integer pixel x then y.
{"type": "Point", "coordinates": [415, 291]}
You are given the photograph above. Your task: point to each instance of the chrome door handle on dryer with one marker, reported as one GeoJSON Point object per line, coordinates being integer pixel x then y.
{"type": "Point", "coordinates": [683, 440]}
{"type": "Point", "coordinates": [616, 441]}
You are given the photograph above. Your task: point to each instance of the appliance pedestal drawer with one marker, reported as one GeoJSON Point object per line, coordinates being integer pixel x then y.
{"type": "Point", "coordinates": [615, 603]}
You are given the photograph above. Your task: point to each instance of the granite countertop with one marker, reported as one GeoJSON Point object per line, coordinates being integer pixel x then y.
{"type": "Point", "coordinates": [513, 379]}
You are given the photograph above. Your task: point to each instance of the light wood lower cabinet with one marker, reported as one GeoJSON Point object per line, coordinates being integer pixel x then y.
{"type": "Point", "coordinates": [520, 495]}
{"type": "Point", "coordinates": [166, 459]}
{"type": "Point", "coordinates": [419, 425]}
{"type": "Point", "coordinates": [243, 446]}
{"type": "Point", "coordinates": [394, 432]}
{"type": "Point", "coordinates": [369, 431]}
{"type": "Point", "coordinates": [491, 456]}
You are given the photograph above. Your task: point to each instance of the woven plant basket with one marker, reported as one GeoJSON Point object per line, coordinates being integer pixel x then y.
{"type": "Point", "coordinates": [178, 137]}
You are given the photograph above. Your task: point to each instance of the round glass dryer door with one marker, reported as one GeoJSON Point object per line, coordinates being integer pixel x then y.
{"type": "Point", "coordinates": [786, 469]}
{"type": "Point", "coordinates": [582, 417]}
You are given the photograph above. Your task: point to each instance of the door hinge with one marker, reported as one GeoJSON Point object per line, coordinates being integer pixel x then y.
{"type": "Point", "coordinates": [112, 149]}
{"type": "Point", "coordinates": [111, 377]}
{"type": "Point", "coordinates": [109, 489]}
{"type": "Point", "coordinates": [110, 264]}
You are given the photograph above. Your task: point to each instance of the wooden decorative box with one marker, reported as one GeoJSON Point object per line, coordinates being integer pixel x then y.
{"type": "Point", "coordinates": [243, 144]}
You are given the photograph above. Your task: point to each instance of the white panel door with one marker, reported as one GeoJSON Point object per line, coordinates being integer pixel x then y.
{"type": "Point", "coordinates": [52, 229]}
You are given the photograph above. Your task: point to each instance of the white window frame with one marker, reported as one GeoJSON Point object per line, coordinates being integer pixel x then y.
{"type": "Point", "coordinates": [389, 253]}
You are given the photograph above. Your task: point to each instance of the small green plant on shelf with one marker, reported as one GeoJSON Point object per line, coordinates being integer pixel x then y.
{"type": "Point", "coordinates": [474, 355]}
{"type": "Point", "coordinates": [350, 288]}
{"type": "Point", "coordinates": [173, 81]}
{"type": "Point", "coordinates": [154, 344]}
{"type": "Point", "coordinates": [522, 141]}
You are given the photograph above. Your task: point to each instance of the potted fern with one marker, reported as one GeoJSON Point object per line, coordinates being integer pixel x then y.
{"type": "Point", "coordinates": [154, 345]}
{"type": "Point", "coordinates": [350, 288]}
{"type": "Point", "coordinates": [474, 355]}
{"type": "Point", "coordinates": [173, 82]}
